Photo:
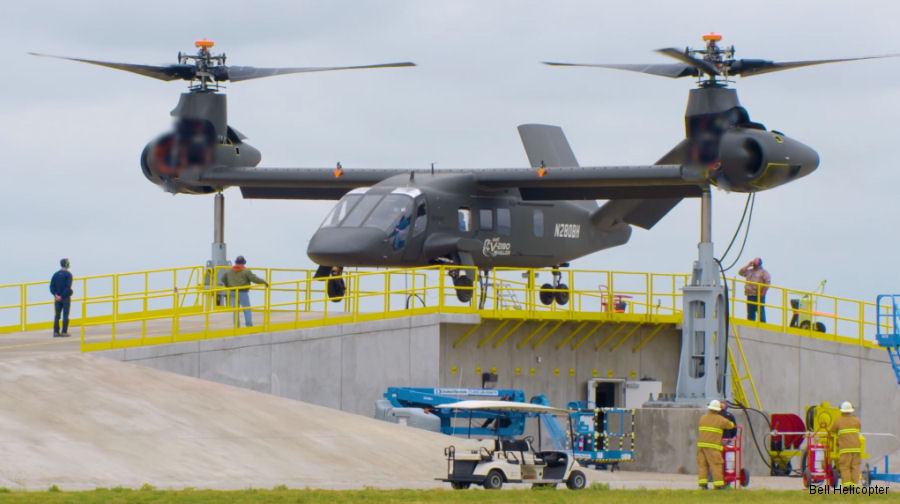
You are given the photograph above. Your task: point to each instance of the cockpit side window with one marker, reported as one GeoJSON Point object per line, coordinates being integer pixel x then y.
{"type": "Point", "coordinates": [361, 210]}
{"type": "Point", "coordinates": [394, 212]}
{"type": "Point", "coordinates": [340, 211]}
{"type": "Point", "coordinates": [421, 219]}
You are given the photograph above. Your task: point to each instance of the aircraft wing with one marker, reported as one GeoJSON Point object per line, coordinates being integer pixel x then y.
{"type": "Point", "coordinates": [597, 182]}
{"type": "Point", "coordinates": [557, 183]}
{"type": "Point", "coordinates": [293, 183]}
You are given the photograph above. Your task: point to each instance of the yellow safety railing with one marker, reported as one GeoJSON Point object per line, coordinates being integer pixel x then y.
{"type": "Point", "coordinates": [809, 314]}
{"type": "Point", "coordinates": [185, 304]}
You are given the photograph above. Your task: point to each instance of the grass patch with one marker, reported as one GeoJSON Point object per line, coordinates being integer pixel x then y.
{"type": "Point", "coordinates": [278, 495]}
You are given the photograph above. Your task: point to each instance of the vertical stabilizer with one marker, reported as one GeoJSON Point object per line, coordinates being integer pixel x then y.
{"type": "Point", "coordinates": [547, 144]}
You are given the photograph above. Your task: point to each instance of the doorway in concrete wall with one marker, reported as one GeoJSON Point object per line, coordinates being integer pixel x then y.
{"type": "Point", "coordinates": [606, 392]}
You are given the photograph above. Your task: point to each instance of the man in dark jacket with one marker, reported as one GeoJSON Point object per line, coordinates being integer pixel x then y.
{"type": "Point", "coordinates": [61, 288]}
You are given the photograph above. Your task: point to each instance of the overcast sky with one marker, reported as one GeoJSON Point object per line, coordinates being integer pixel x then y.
{"type": "Point", "coordinates": [71, 134]}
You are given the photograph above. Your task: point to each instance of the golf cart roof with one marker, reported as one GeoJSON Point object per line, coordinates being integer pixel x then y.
{"type": "Point", "coordinates": [503, 406]}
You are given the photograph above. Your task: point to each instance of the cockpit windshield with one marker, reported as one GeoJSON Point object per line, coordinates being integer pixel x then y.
{"type": "Point", "coordinates": [394, 212]}
{"type": "Point", "coordinates": [340, 211]}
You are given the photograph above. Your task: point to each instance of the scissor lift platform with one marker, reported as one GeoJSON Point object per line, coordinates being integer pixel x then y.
{"type": "Point", "coordinates": [888, 329]}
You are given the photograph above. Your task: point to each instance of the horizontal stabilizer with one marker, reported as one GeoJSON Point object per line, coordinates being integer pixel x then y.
{"type": "Point", "coordinates": [643, 213]}
{"type": "Point", "coordinates": [546, 145]}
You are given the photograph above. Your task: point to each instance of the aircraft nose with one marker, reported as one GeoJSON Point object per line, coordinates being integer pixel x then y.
{"type": "Point", "coordinates": [343, 246]}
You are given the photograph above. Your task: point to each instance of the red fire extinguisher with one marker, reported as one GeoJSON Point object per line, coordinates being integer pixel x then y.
{"type": "Point", "coordinates": [816, 458]}
{"type": "Point", "coordinates": [729, 455]}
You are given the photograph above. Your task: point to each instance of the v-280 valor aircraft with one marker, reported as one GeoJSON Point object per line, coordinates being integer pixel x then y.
{"type": "Point", "coordinates": [542, 216]}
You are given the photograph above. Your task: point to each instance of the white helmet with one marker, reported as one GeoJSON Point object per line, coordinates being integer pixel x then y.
{"type": "Point", "coordinates": [846, 407]}
{"type": "Point", "coordinates": [715, 405]}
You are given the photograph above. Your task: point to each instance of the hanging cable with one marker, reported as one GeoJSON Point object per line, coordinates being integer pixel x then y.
{"type": "Point", "coordinates": [746, 233]}
{"type": "Point", "coordinates": [738, 229]}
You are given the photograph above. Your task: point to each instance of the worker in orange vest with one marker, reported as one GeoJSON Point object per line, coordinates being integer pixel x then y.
{"type": "Point", "coordinates": [709, 446]}
{"type": "Point", "coordinates": [846, 428]}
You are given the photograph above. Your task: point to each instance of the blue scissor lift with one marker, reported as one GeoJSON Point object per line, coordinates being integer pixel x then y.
{"type": "Point", "coordinates": [888, 336]}
{"type": "Point", "coordinates": [888, 324]}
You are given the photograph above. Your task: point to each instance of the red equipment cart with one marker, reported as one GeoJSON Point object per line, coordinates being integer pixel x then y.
{"type": "Point", "coordinates": [817, 466]}
{"type": "Point", "coordinates": [732, 452]}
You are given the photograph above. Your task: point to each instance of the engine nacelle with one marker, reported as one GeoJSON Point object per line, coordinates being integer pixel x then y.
{"type": "Point", "coordinates": [755, 159]}
{"type": "Point", "coordinates": [176, 161]}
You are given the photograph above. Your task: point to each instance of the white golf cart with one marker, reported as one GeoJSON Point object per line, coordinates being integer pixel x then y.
{"type": "Point", "coordinates": [491, 463]}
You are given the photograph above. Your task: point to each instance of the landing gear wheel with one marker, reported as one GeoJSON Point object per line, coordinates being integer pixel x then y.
{"type": "Point", "coordinates": [336, 289]}
{"type": "Point", "coordinates": [464, 289]}
{"type": "Point", "coordinates": [805, 478]}
{"type": "Point", "coordinates": [494, 480]}
{"type": "Point", "coordinates": [576, 480]}
{"type": "Point", "coordinates": [545, 294]}
{"type": "Point", "coordinates": [562, 297]}
{"type": "Point", "coordinates": [459, 485]}
{"type": "Point", "coordinates": [745, 478]}
{"type": "Point", "coordinates": [867, 476]}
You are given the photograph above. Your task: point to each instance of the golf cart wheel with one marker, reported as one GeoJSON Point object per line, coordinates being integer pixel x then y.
{"type": "Point", "coordinates": [494, 480]}
{"type": "Point", "coordinates": [819, 327]}
{"type": "Point", "coordinates": [745, 478]}
{"type": "Point", "coordinates": [576, 480]}
{"type": "Point", "coordinates": [459, 485]}
{"type": "Point", "coordinates": [804, 324]}
{"type": "Point", "coordinates": [562, 297]}
{"type": "Point", "coordinates": [545, 295]}
{"type": "Point", "coordinates": [463, 286]}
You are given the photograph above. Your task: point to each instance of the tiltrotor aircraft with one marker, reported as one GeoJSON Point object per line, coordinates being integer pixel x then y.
{"type": "Point", "coordinates": [542, 216]}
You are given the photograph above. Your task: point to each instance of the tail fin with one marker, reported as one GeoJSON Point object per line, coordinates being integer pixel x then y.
{"type": "Point", "coordinates": [547, 145]}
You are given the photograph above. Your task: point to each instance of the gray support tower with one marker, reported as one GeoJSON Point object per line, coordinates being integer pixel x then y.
{"type": "Point", "coordinates": [703, 368]}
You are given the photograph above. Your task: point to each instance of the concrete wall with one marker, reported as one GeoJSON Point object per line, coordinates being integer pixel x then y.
{"type": "Point", "coordinates": [666, 440]}
{"type": "Point", "coordinates": [792, 372]}
{"type": "Point", "coordinates": [344, 367]}
{"type": "Point", "coordinates": [348, 367]}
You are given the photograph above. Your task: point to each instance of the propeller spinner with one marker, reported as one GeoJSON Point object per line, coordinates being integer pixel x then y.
{"type": "Point", "coordinates": [204, 69]}
{"type": "Point", "coordinates": [712, 65]}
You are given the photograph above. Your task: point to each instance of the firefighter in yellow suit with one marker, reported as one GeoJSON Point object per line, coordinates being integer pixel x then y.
{"type": "Point", "coordinates": [709, 446]}
{"type": "Point", "coordinates": [846, 428]}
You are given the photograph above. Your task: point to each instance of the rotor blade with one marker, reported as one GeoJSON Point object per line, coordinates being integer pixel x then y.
{"type": "Point", "coordinates": [705, 66]}
{"type": "Point", "coordinates": [673, 70]}
{"type": "Point", "coordinates": [239, 73]}
{"type": "Point", "coordinates": [166, 73]}
{"type": "Point", "coordinates": [748, 67]}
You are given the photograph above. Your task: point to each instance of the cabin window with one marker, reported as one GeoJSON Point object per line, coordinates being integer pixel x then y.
{"type": "Point", "coordinates": [504, 222]}
{"type": "Point", "coordinates": [421, 219]}
{"type": "Point", "coordinates": [465, 219]}
{"type": "Point", "coordinates": [486, 219]}
{"type": "Point", "coordinates": [538, 222]}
